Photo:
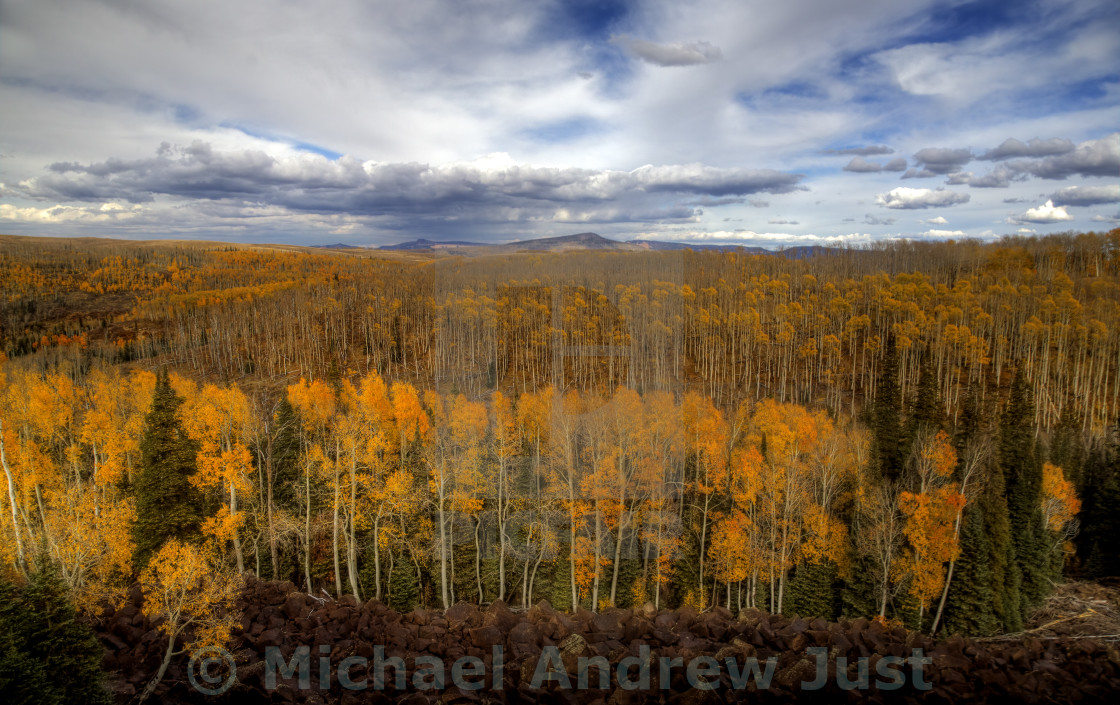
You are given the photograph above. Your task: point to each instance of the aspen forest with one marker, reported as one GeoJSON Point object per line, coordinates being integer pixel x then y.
{"type": "Point", "coordinates": [919, 433]}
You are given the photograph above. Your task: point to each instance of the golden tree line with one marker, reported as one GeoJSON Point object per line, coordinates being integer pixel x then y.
{"type": "Point", "coordinates": [731, 326]}
{"type": "Point", "coordinates": [621, 498]}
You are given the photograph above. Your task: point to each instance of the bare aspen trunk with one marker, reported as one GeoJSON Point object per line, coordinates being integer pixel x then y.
{"type": "Point", "coordinates": [21, 560]}
{"type": "Point", "coordinates": [236, 539]}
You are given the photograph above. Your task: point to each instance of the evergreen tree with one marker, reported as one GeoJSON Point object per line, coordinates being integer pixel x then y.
{"type": "Point", "coordinates": [925, 410]}
{"type": "Point", "coordinates": [167, 504]}
{"type": "Point", "coordinates": [1098, 544]}
{"type": "Point", "coordinates": [886, 418]}
{"type": "Point", "coordinates": [285, 457]}
{"type": "Point", "coordinates": [1006, 578]}
{"type": "Point", "coordinates": [968, 608]}
{"type": "Point", "coordinates": [812, 590]}
{"type": "Point", "coordinates": [404, 590]}
{"type": "Point", "coordinates": [49, 656]}
{"type": "Point", "coordinates": [1067, 449]}
{"type": "Point", "coordinates": [1022, 474]}
{"type": "Point", "coordinates": [858, 591]}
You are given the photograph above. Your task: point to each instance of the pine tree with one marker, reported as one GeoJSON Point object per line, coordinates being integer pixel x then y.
{"type": "Point", "coordinates": [1006, 578]}
{"type": "Point", "coordinates": [1098, 545]}
{"type": "Point", "coordinates": [858, 596]}
{"type": "Point", "coordinates": [886, 418]}
{"type": "Point", "coordinates": [1022, 473]}
{"type": "Point", "coordinates": [968, 608]}
{"type": "Point", "coordinates": [404, 590]}
{"type": "Point", "coordinates": [812, 590]}
{"type": "Point", "coordinates": [925, 410]}
{"type": "Point", "coordinates": [167, 504]}
{"type": "Point", "coordinates": [1067, 449]}
{"type": "Point", "coordinates": [48, 655]}
{"type": "Point", "coordinates": [285, 457]}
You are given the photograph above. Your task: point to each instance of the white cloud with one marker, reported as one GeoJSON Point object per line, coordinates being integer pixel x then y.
{"type": "Point", "coordinates": [943, 233]}
{"type": "Point", "coordinates": [914, 198]}
{"type": "Point", "coordinates": [1046, 213]}
{"type": "Point", "coordinates": [105, 213]}
{"type": "Point", "coordinates": [939, 220]}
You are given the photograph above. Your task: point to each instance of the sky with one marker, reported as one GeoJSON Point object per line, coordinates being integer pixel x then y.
{"type": "Point", "coordinates": [371, 122]}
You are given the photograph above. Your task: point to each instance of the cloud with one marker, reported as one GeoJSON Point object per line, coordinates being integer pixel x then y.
{"type": "Point", "coordinates": [1011, 148]}
{"type": "Point", "coordinates": [914, 198]}
{"type": "Point", "coordinates": [675, 54]}
{"type": "Point", "coordinates": [938, 160]}
{"type": "Point", "coordinates": [105, 213]}
{"type": "Point", "coordinates": [1099, 157]}
{"type": "Point", "coordinates": [860, 165]}
{"type": "Point", "coordinates": [872, 151]}
{"type": "Point", "coordinates": [1086, 195]}
{"type": "Point", "coordinates": [943, 233]}
{"type": "Point", "coordinates": [913, 173]}
{"type": "Point", "coordinates": [999, 177]}
{"type": "Point", "coordinates": [1106, 218]}
{"type": "Point", "coordinates": [492, 188]}
{"type": "Point", "coordinates": [752, 238]}
{"type": "Point", "coordinates": [939, 220]}
{"type": "Point", "coordinates": [1046, 213]}
{"type": "Point", "coordinates": [873, 220]}
{"type": "Point", "coordinates": [779, 221]}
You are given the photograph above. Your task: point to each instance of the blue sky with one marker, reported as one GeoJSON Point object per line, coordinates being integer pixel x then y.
{"type": "Point", "coordinates": [800, 122]}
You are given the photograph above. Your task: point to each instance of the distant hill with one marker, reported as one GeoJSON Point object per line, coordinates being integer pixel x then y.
{"type": "Point", "coordinates": [338, 246]}
{"type": "Point", "coordinates": [592, 241]}
{"type": "Point", "coordinates": [422, 244]}
{"type": "Point", "coordinates": [579, 241]}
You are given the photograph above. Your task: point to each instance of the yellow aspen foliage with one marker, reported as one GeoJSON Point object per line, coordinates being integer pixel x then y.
{"type": "Point", "coordinates": [185, 590]}
{"type": "Point", "coordinates": [930, 521]}
{"type": "Point", "coordinates": [1060, 504]}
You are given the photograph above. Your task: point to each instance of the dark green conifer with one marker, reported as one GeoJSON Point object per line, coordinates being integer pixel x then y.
{"type": "Point", "coordinates": [48, 655]}
{"type": "Point", "coordinates": [1098, 544]}
{"type": "Point", "coordinates": [968, 607]}
{"type": "Point", "coordinates": [167, 504]}
{"type": "Point", "coordinates": [1022, 474]}
{"type": "Point", "coordinates": [812, 590]}
{"type": "Point", "coordinates": [886, 418]}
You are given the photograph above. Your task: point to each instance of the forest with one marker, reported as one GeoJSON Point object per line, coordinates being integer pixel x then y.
{"type": "Point", "coordinates": [925, 433]}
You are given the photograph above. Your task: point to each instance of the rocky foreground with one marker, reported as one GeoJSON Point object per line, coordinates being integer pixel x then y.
{"type": "Point", "coordinates": [537, 655]}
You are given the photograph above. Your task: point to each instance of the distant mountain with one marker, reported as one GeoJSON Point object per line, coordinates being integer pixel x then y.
{"type": "Point", "coordinates": [422, 244]}
{"type": "Point", "coordinates": [338, 246]}
{"type": "Point", "coordinates": [580, 241]}
{"type": "Point", "coordinates": [594, 241]}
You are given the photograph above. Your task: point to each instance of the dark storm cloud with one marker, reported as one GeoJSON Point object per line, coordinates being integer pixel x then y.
{"type": "Point", "coordinates": [311, 183]}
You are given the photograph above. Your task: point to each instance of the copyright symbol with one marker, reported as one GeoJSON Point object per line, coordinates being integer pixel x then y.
{"type": "Point", "coordinates": [208, 676]}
